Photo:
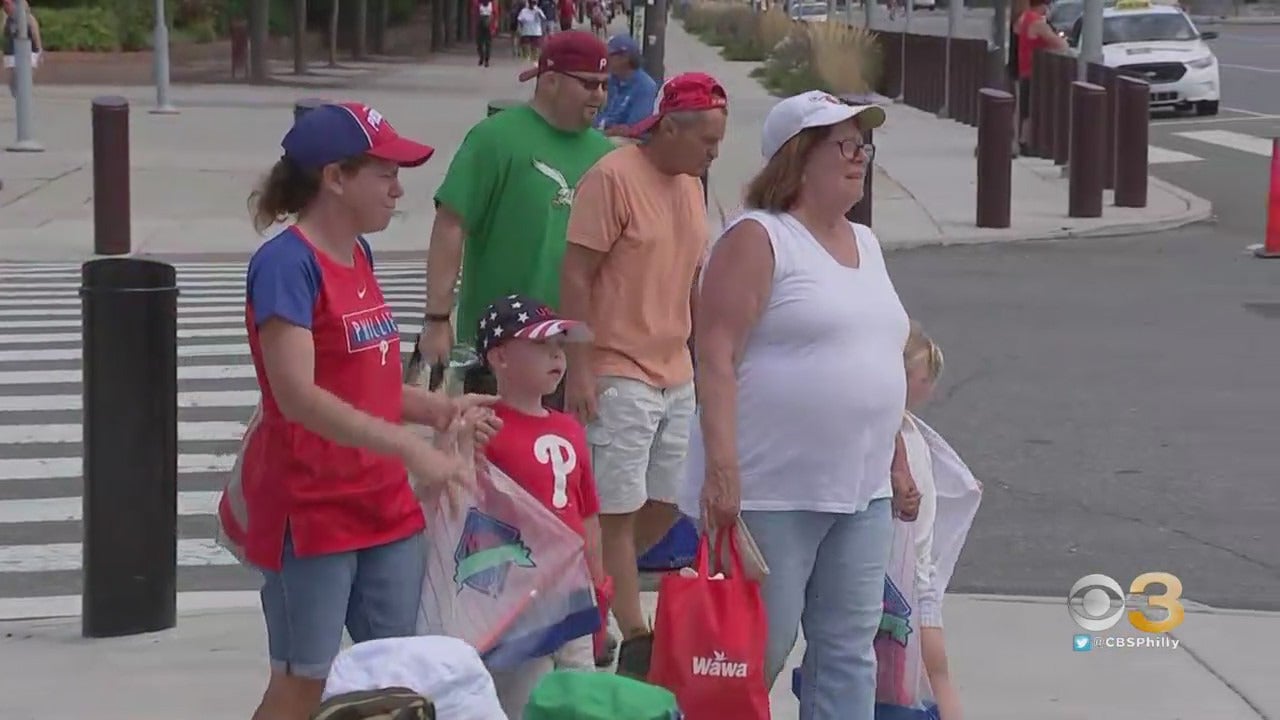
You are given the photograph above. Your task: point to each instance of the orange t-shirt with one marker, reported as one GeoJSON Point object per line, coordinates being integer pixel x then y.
{"type": "Point", "coordinates": [653, 230]}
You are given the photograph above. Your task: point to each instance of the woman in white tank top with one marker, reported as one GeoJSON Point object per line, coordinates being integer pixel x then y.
{"type": "Point", "coordinates": [799, 346]}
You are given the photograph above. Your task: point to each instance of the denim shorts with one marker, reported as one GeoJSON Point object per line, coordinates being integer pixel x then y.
{"type": "Point", "coordinates": [374, 593]}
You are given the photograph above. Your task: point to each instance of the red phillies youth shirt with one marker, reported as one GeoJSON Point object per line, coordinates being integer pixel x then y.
{"type": "Point", "coordinates": [330, 497]}
{"type": "Point", "coordinates": [548, 457]}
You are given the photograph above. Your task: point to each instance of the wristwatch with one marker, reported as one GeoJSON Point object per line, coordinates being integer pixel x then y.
{"type": "Point", "coordinates": [437, 317]}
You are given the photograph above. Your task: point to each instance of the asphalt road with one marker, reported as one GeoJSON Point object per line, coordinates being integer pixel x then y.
{"type": "Point", "coordinates": [1249, 61]}
{"type": "Point", "coordinates": [1119, 399]}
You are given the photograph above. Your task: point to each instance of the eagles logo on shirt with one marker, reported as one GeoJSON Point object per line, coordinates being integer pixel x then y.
{"type": "Point", "coordinates": [486, 552]}
{"type": "Point", "coordinates": [564, 193]}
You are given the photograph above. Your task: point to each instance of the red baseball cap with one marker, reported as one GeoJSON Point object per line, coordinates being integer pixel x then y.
{"type": "Point", "coordinates": [691, 91]}
{"type": "Point", "coordinates": [333, 133]}
{"type": "Point", "coordinates": [569, 52]}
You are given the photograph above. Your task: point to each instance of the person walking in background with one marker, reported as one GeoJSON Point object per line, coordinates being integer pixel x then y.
{"type": "Point", "coordinates": [632, 92]}
{"type": "Point", "coordinates": [504, 203]}
{"type": "Point", "coordinates": [485, 13]}
{"type": "Point", "coordinates": [530, 24]}
{"type": "Point", "coordinates": [637, 234]}
{"type": "Point", "coordinates": [1034, 33]}
{"type": "Point", "coordinates": [799, 339]}
{"type": "Point", "coordinates": [567, 10]}
{"type": "Point", "coordinates": [330, 517]}
{"type": "Point", "coordinates": [522, 341]}
{"type": "Point", "coordinates": [11, 37]}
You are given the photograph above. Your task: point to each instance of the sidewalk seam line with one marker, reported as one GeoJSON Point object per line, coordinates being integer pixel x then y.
{"type": "Point", "coordinates": [1222, 679]}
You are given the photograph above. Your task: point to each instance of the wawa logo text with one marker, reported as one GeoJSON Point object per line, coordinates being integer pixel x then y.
{"type": "Point", "coordinates": [717, 666]}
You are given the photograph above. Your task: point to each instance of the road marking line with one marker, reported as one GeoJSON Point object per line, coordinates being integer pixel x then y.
{"type": "Point", "coordinates": [1229, 139]}
{"type": "Point", "coordinates": [186, 400]}
{"type": "Point", "coordinates": [188, 431]}
{"type": "Point", "coordinates": [185, 372]}
{"type": "Point", "coordinates": [1163, 156]}
{"type": "Point", "coordinates": [237, 329]}
{"type": "Point", "coordinates": [71, 509]}
{"type": "Point", "coordinates": [55, 557]}
{"type": "Point", "coordinates": [409, 307]}
{"type": "Point", "coordinates": [1212, 121]}
{"type": "Point", "coordinates": [1248, 112]}
{"type": "Point", "coordinates": [183, 333]}
{"type": "Point", "coordinates": [71, 267]}
{"type": "Point", "coordinates": [1251, 68]}
{"type": "Point", "coordinates": [68, 606]}
{"type": "Point", "coordinates": [73, 467]}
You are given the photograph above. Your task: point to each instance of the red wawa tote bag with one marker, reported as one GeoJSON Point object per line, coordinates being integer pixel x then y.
{"type": "Point", "coordinates": [709, 640]}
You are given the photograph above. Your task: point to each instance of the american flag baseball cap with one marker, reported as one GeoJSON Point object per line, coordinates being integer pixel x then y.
{"type": "Point", "coordinates": [520, 316]}
{"type": "Point", "coordinates": [333, 133]}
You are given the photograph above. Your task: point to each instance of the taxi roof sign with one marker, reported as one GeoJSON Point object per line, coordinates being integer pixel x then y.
{"type": "Point", "coordinates": [1132, 5]}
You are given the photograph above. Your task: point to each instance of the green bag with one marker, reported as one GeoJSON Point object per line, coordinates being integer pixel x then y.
{"type": "Point", "coordinates": [587, 695]}
{"type": "Point", "coordinates": [395, 703]}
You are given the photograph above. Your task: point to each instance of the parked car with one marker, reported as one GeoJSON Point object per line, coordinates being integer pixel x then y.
{"type": "Point", "coordinates": [1160, 44]}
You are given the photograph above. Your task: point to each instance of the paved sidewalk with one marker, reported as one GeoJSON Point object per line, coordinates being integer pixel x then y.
{"type": "Point", "coordinates": [1012, 658]}
{"type": "Point", "coordinates": [192, 172]}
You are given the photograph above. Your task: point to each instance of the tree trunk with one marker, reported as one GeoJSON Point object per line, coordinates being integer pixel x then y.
{"type": "Point", "coordinates": [300, 37]}
{"type": "Point", "coordinates": [258, 39]}
{"type": "Point", "coordinates": [359, 44]}
{"type": "Point", "coordinates": [333, 35]}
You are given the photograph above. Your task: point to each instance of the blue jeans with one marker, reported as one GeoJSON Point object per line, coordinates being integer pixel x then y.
{"type": "Point", "coordinates": [826, 570]}
{"type": "Point", "coordinates": [375, 593]}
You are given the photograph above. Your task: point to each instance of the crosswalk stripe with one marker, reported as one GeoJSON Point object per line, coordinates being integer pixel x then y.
{"type": "Point", "coordinates": [184, 267]}
{"type": "Point", "coordinates": [201, 299]}
{"type": "Point", "coordinates": [186, 400]}
{"type": "Point", "coordinates": [185, 372]}
{"type": "Point", "coordinates": [73, 467]}
{"type": "Point", "coordinates": [55, 557]}
{"type": "Point", "coordinates": [1157, 155]}
{"type": "Point", "coordinates": [1230, 139]}
{"type": "Point", "coordinates": [188, 431]}
{"type": "Point", "coordinates": [408, 308]}
{"type": "Point", "coordinates": [198, 280]}
{"type": "Point", "coordinates": [183, 334]}
{"type": "Point", "coordinates": [183, 351]}
{"type": "Point", "coordinates": [71, 509]}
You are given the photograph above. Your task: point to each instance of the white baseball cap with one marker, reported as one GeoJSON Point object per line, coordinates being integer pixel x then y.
{"type": "Point", "coordinates": [812, 109]}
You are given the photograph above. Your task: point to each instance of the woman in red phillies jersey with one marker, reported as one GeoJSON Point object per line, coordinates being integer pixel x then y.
{"type": "Point", "coordinates": [333, 523]}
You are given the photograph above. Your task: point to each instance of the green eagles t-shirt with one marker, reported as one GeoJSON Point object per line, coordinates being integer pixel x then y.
{"type": "Point", "coordinates": [512, 182]}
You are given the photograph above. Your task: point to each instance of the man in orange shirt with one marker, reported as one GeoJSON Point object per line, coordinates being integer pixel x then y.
{"type": "Point", "coordinates": [637, 235]}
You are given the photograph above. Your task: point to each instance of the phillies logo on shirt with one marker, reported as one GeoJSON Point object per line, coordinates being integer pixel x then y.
{"type": "Point", "coordinates": [558, 453]}
{"type": "Point", "coordinates": [371, 329]}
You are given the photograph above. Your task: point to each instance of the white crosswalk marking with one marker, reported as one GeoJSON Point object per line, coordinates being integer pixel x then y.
{"type": "Point", "coordinates": [1230, 139]}
{"type": "Point", "coordinates": [41, 413]}
{"type": "Point", "coordinates": [1157, 155]}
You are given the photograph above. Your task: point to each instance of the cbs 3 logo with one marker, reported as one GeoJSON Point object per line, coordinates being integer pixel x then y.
{"type": "Point", "coordinates": [1096, 602]}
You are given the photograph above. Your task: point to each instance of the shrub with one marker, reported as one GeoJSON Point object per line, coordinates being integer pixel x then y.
{"type": "Point", "coordinates": [846, 58]}
{"type": "Point", "coordinates": [88, 29]}
{"type": "Point", "coordinates": [789, 69]}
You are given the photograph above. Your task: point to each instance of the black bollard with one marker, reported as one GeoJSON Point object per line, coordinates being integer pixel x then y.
{"type": "Point", "coordinates": [305, 105]}
{"type": "Point", "coordinates": [130, 359]}
{"type": "Point", "coordinates": [112, 232]}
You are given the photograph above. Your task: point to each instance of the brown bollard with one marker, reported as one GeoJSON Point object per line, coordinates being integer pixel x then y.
{"type": "Point", "coordinates": [1109, 76]}
{"type": "Point", "coordinates": [1084, 185]}
{"type": "Point", "coordinates": [111, 212]}
{"type": "Point", "coordinates": [1042, 104]}
{"type": "Point", "coordinates": [1133, 121]}
{"type": "Point", "coordinates": [995, 157]}
{"type": "Point", "coordinates": [1064, 75]}
{"type": "Point", "coordinates": [861, 212]}
{"type": "Point", "coordinates": [1097, 75]}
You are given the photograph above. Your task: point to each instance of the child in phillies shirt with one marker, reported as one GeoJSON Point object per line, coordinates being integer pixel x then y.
{"type": "Point", "coordinates": [521, 341]}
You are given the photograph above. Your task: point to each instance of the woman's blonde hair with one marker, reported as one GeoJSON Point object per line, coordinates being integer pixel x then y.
{"type": "Point", "coordinates": [777, 186]}
{"type": "Point", "coordinates": [921, 348]}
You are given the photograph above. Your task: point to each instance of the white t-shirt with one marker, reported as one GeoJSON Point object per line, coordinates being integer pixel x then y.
{"type": "Point", "coordinates": [821, 385]}
{"type": "Point", "coordinates": [530, 21]}
{"type": "Point", "coordinates": [920, 461]}
{"type": "Point", "coordinates": [486, 9]}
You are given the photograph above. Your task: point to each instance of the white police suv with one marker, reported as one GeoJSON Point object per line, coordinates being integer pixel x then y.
{"type": "Point", "coordinates": [1159, 43]}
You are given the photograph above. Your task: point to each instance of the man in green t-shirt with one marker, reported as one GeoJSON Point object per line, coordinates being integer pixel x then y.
{"type": "Point", "coordinates": [508, 192]}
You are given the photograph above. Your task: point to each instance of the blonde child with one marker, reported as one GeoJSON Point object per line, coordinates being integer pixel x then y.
{"type": "Point", "coordinates": [924, 362]}
{"type": "Point", "coordinates": [521, 341]}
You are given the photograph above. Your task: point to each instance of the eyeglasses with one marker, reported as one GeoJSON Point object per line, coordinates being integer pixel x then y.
{"type": "Point", "coordinates": [588, 84]}
{"type": "Point", "coordinates": [850, 147]}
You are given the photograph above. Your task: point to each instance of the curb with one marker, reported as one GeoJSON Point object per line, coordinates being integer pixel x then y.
{"type": "Point", "coordinates": [1198, 210]}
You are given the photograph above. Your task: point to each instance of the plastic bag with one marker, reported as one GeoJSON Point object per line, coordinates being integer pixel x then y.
{"type": "Point", "coordinates": [709, 640]}
{"type": "Point", "coordinates": [897, 644]}
{"type": "Point", "coordinates": [504, 573]}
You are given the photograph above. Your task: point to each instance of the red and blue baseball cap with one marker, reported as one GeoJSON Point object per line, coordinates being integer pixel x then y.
{"type": "Point", "coordinates": [686, 92]}
{"type": "Point", "coordinates": [333, 133]}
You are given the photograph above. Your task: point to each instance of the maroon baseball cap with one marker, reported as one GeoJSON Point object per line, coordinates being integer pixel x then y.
{"type": "Point", "coordinates": [691, 91]}
{"type": "Point", "coordinates": [571, 51]}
